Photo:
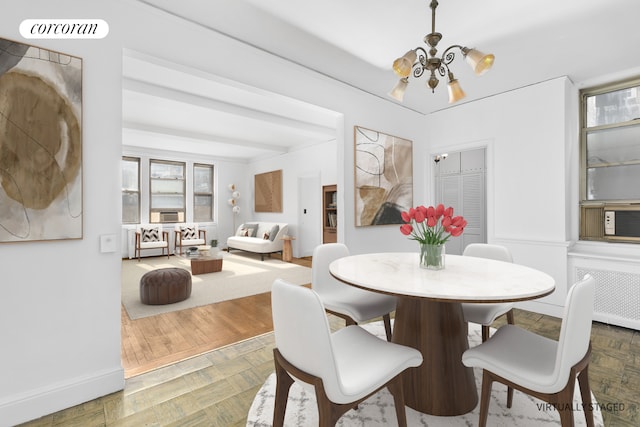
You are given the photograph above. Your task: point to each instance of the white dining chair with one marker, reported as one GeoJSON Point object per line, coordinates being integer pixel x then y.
{"type": "Point", "coordinates": [539, 366]}
{"type": "Point", "coordinates": [343, 368]}
{"type": "Point", "coordinates": [486, 314]}
{"type": "Point", "coordinates": [348, 302]}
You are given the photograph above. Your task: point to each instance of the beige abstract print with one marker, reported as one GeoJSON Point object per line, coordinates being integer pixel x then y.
{"type": "Point", "coordinates": [40, 144]}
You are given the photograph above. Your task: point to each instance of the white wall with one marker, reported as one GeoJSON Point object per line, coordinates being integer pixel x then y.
{"type": "Point", "coordinates": [530, 138]}
{"type": "Point", "coordinates": [60, 308]}
{"type": "Point", "coordinates": [60, 304]}
{"type": "Point", "coordinates": [317, 160]}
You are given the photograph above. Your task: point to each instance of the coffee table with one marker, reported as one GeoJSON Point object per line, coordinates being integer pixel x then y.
{"type": "Point", "coordinates": [205, 264]}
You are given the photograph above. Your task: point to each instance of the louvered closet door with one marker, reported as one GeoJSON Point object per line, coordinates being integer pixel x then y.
{"type": "Point", "coordinates": [462, 184]}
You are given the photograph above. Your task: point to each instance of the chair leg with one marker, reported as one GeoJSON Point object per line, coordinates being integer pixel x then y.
{"type": "Point", "coordinates": [564, 403]}
{"type": "Point", "coordinates": [511, 321]}
{"type": "Point", "coordinates": [283, 384]}
{"type": "Point", "coordinates": [585, 393]}
{"type": "Point", "coordinates": [485, 333]}
{"type": "Point", "coordinates": [387, 325]}
{"type": "Point", "coordinates": [395, 388]}
{"type": "Point", "coordinates": [485, 398]}
{"type": "Point", "coordinates": [328, 412]}
{"type": "Point", "coordinates": [509, 397]}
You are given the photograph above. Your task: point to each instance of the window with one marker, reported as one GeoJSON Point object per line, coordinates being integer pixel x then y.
{"type": "Point", "coordinates": [202, 192]}
{"type": "Point", "coordinates": [610, 152]}
{"type": "Point", "coordinates": [167, 189]}
{"type": "Point", "coordinates": [130, 190]}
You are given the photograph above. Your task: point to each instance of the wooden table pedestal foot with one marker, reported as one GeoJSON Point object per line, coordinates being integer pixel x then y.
{"type": "Point", "coordinates": [442, 385]}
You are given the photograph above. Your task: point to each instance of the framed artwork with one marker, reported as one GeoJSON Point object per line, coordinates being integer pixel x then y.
{"type": "Point", "coordinates": [268, 191]}
{"type": "Point", "coordinates": [383, 177]}
{"type": "Point", "coordinates": [40, 144]}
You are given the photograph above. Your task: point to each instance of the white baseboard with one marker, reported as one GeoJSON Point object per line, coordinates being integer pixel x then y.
{"type": "Point", "coordinates": [52, 398]}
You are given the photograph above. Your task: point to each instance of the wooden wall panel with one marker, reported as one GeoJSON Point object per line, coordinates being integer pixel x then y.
{"type": "Point", "coordinates": [268, 191]}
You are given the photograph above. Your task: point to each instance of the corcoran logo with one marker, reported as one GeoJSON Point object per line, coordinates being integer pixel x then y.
{"type": "Point", "coordinates": [64, 28]}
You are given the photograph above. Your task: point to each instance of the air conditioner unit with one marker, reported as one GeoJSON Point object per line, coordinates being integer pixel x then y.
{"type": "Point", "coordinates": [167, 216]}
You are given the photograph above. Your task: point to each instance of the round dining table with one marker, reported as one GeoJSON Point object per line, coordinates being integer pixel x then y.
{"type": "Point", "coordinates": [429, 315]}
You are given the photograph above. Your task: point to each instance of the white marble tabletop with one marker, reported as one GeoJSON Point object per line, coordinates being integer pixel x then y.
{"type": "Point", "coordinates": [464, 279]}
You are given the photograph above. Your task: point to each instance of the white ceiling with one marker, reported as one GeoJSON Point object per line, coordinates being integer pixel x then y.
{"type": "Point", "coordinates": [171, 107]}
{"type": "Point", "coordinates": [355, 42]}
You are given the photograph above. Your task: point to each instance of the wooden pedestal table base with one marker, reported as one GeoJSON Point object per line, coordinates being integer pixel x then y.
{"type": "Point", "coordinates": [442, 385]}
{"type": "Point", "coordinates": [202, 265]}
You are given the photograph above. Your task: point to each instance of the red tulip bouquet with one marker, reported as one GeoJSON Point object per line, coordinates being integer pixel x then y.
{"type": "Point", "coordinates": [432, 227]}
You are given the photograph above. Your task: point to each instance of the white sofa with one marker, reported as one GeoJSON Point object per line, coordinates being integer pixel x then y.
{"type": "Point", "coordinates": [255, 241]}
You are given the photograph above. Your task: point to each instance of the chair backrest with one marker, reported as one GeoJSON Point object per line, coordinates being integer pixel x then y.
{"type": "Point", "coordinates": [485, 250]}
{"type": "Point", "coordinates": [302, 332]}
{"type": "Point", "coordinates": [321, 279]}
{"type": "Point", "coordinates": [179, 226]}
{"type": "Point", "coordinates": [147, 233]}
{"type": "Point", "coordinates": [575, 332]}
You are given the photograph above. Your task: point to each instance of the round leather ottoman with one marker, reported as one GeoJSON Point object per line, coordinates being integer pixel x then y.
{"type": "Point", "coordinates": [165, 286]}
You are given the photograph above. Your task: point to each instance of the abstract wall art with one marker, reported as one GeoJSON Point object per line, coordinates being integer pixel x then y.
{"type": "Point", "coordinates": [268, 191]}
{"type": "Point", "coordinates": [40, 144]}
{"type": "Point", "coordinates": [383, 177]}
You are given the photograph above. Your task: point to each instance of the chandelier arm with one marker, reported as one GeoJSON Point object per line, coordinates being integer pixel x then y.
{"type": "Point", "coordinates": [448, 57]}
{"type": "Point", "coordinates": [443, 70]}
{"type": "Point", "coordinates": [419, 65]}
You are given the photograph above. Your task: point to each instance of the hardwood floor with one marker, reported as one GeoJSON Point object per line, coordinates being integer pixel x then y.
{"type": "Point", "coordinates": [218, 387]}
{"type": "Point", "coordinates": [153, 342]}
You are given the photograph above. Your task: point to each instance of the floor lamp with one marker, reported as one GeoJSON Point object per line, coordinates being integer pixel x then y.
{"type": "Point", "coordinates": [233, 202]}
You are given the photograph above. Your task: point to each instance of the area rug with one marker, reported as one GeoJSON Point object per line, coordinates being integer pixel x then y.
{"type": "Point", "coordinates": [242, 275]}
{"type": "Point", "coordinates": [379, 410]}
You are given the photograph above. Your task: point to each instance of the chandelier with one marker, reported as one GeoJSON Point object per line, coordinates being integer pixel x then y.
{"type": "Point", "coordinates": [429, 62]}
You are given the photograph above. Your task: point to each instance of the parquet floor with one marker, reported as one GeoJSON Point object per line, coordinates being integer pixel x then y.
{"type": "Point", "coordinates": [217, 387]}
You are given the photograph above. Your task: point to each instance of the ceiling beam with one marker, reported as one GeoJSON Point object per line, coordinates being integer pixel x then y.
{"type": "Point", "coordinates": [198, 136]}
{"type": "Point", "coordinates": [151, 89]}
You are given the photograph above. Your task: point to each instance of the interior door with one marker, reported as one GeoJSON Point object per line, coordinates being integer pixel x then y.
{"type": "Point", "coordinates": [461, 183]}
{"type": "Point", "coordinates": [309, 215]}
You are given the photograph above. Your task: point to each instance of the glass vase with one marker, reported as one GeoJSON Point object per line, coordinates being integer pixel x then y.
{"type": "Point", "coordinates": [432, 256]}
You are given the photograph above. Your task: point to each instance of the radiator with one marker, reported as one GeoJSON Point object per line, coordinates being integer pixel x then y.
{"type": "Point", "coordinates": [131, 242]}
{"type": "Point", "coordinates": [617, 298]}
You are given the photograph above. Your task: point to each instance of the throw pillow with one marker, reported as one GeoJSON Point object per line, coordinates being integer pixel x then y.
{"type": "Point", "coordinates": [253, 229]}
{"type": "Point", "coordinates": [240, 231]}
{"type": "Point", "coordinates": [265, 236]}
{"type": "Point", "coordinates": [274, 232]}
{"type": "Point", "coordinates": [188, 233]}
{"type": "Point", "coordinates": [150, 234]}
{"type": "Point", "coordinates": [245, 232]}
